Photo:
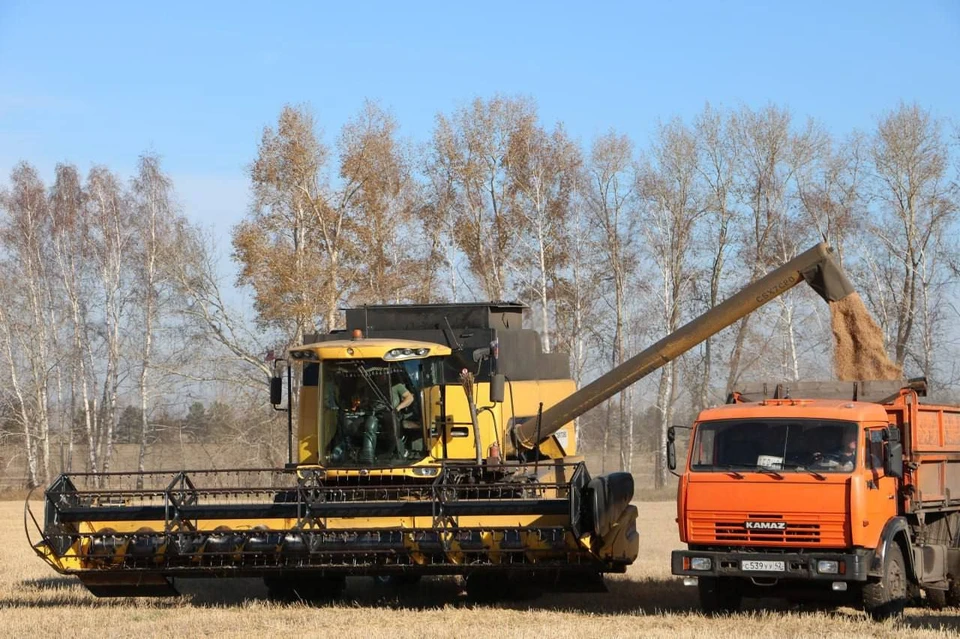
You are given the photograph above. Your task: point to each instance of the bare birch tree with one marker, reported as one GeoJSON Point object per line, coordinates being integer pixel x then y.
{"type": "Point", "coordinates": [673, 202]}
{"type": "Point", "coordinates": [611, 202]}
{"type": "Point", "coordinates": [542, 174]}
{"type": "Point", "coordinates": [718, 157]}
{"type": "Point", "coordinates": [474, 148]}
{"type": "Point", "coordinates": [917, 203]}
{"type": "Point", "coordinates": [155, 217]}
{"type": "Point", "coordinates": [27, 319]}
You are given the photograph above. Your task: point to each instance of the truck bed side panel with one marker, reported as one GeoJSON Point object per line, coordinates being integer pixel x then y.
{"type": "Point", "coordinates": [932, 451]}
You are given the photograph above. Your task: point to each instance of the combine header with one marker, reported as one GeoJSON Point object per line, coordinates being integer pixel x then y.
{"type": "Point", "coordinates": [432, 439]}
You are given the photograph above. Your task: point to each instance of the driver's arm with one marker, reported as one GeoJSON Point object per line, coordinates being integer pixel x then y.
{"type": "Point", "coordinates": [405, 400]}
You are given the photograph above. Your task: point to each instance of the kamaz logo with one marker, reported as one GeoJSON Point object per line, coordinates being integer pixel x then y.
{"type": "Point", "coordinates": [765, 525]}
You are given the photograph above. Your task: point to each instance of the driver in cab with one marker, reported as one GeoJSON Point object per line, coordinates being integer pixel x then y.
{"type": "Point", "coordinates": [842, 459]}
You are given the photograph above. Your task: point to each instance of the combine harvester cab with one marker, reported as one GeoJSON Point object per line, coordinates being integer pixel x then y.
{"type": "Point", "coordinates": [432, 439]}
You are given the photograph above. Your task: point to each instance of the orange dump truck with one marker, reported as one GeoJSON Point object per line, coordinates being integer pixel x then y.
{"type": "Point", "coordinates": [845, 492]}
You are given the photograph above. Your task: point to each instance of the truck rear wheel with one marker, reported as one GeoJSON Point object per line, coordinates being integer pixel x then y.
{"type": "Point", "coordinates": [719, 595]}
{"type": "Point", "coordinates": [952, 595]}
{"type": "Point", "coordinates": [888, 597]}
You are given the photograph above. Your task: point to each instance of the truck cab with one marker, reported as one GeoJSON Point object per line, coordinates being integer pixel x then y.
{"type": "Point", "coordinates": [803, 495]}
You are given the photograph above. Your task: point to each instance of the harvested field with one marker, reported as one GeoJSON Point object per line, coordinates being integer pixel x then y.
{"type": "Point", "coordinates": [647, 601]}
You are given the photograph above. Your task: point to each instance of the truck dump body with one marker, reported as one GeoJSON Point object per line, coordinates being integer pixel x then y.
{"type": "Point", "coordinates": [931, 438]}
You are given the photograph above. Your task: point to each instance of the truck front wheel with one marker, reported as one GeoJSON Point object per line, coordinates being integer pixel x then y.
{"type": "Point", "coordinates": [719, 595]}
{"type": "Point", "coordinates": [888, 597]}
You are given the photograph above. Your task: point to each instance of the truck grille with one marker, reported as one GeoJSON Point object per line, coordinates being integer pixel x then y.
{"type": "Point", "coordinates": [794, 534]}
{"type": "Point", "coordinates": [801, 530]}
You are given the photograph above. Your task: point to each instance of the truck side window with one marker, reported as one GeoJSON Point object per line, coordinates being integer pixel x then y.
{"type": "Point", "coordinates": [875, 449]}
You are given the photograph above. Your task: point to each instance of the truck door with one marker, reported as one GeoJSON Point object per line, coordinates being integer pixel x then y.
{"type": "Point", "coordinates": [880, 491]}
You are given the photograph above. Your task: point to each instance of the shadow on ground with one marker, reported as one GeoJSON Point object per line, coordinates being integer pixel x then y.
{"type": "Point", "coordinates": [51, 583]}
{"type": "Point", "coordinates": [625, 596]}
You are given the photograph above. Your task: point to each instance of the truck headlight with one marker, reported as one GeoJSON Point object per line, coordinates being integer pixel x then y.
{"type": "Point", "coordinates": [827, 567]}
{"type": "Point", "coordinates": [701, 563]}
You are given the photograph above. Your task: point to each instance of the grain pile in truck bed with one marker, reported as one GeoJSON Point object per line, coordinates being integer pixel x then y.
{"type": "Point", "coordinates": [858, 343]}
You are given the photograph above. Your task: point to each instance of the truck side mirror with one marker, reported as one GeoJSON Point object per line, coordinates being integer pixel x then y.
{"type": "Point", "coordinates": [497, 381]}
{"type": "Point", "coordinates": [671, 448]}
{"type": "Point", "coordinates": [276, 390]}
{"type": "Point", "coordinates": [893, 452]}
{"type": "Point", "coordinates": [893, 461]}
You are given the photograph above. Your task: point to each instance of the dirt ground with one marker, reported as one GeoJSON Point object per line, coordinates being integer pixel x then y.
{"type": "Point", "coordinates": [647, 601]}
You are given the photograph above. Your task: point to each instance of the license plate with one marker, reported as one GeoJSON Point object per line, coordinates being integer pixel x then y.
{"type": "Point", "coordinates": [763, 566]}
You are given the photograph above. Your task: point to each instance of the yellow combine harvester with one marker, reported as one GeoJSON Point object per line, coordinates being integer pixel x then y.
{"type": "Point", "coordinates": [433, 439]}
{"type": "Point", "coordinates": [405, 468]}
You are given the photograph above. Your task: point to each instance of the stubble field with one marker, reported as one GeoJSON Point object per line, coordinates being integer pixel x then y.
{"type": "Point", "coordinates": [647, 601]}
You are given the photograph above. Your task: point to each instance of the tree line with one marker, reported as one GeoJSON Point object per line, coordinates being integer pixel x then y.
{"type": "Point", "coordinates": [109, 291]}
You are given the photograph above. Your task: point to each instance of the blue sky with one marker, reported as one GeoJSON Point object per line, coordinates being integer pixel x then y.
{"type": "Point", "coordinates": [92, 82]}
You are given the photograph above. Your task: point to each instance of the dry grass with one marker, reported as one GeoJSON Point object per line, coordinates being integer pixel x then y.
{"type": "Point", "coordinates": [646, 601]}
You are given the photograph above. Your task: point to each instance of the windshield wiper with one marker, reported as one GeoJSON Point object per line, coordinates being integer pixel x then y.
{"type": "Point", "coordinates": [768, 471]}
{"type": "Point", "coordinates": [808, 470]}
{"type": "Point", "coordinates": [730, 469]}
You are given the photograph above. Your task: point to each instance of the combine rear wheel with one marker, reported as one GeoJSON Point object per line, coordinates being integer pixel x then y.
{"type": "Point", "coordinates": [719, 595]}
{"type": "Point", "coordinates": [306, 588]}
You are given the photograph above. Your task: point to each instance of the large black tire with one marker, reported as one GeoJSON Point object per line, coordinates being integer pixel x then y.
{"type": "Point", "coordinates": [304, 588]}
{"type": "Point", "coordinates": [886, 598]}
{"type": "Point", "coordinates": [719, 595]}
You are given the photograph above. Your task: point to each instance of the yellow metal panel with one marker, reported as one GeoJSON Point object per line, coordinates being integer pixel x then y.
{"type": "Point", "coordinates": [307, 425]}
{"type": "Point", "coordinates": [526, 397]}
{"type": "Point", "coordinates": [493, 421]}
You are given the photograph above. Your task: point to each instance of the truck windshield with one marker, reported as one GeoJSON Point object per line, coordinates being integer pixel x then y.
{"type": "Point", "coordinates": [371, 412]}
{"type": "Point", "coordinates": [792, 445]}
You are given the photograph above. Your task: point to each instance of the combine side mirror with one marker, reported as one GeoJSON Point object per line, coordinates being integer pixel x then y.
{"type": "Point", "coordinates": [671, 448]}
{"type": "Point", "coordinates": [276, 390]}
{"type": "Point", "coordinates": [497, 381]}
{"type": "Point", "coordinates": [893, 457]}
